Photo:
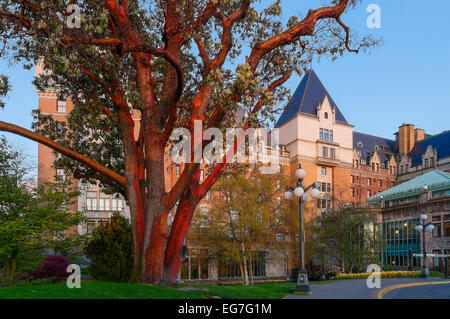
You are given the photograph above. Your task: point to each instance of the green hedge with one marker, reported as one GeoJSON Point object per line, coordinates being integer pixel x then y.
{"type": "Point", "coordinates": [387, 274]}
{"type": "Point", "coordinates": [384, 274]}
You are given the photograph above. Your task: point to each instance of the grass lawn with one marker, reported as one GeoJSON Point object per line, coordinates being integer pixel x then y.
{"type": "Point", "coordinates": [109, 290]}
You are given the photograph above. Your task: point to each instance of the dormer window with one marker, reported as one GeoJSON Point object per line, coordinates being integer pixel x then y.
{"type": "Point", "coordinates": [325, 115]}
{"type": "Point", "coordinates": [428, 162]}
{"type": "Point", "coordinates": [359, 144]}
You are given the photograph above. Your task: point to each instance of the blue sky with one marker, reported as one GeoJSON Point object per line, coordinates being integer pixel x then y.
{"type": "Point", "coordinates": [407, 80]}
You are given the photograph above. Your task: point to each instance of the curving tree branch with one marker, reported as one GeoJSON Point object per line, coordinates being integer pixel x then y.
{"type": "Point", "coordinates": [11, 128]}
{"type": "Point", "coordinates": [304, 27]}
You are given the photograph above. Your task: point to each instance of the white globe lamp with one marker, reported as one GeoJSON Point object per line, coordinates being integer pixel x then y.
{"type": "Point", "coordinates": [300, 173]}
{"type": "Point", "coordinates": [288, 195]}
{"type": "Point", "coordinates": [298, 192]}
{"type": "Point", "coordinates": [315, 193]}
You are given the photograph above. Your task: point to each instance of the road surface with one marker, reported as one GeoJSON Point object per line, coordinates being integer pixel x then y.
{"type": "Point", "coordinates": [439, 291]}
{"type": "Point", "coordinates": [357, 289]}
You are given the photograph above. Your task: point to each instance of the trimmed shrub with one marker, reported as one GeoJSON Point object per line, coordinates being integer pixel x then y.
{"type": "Point", "coordinates": [111, 250]}
{"type": "Point", "coordinates": [54, 267]}
{"type": "Point", "coordinates": [437, 274]}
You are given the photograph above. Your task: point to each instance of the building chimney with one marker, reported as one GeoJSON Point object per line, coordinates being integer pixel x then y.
{"type": "Point", "coordinates": [420, 134]}
{"type": "Point", "coordinates": [406, 138]}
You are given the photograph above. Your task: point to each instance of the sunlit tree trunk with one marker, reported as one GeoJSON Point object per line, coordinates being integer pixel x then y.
{"type": "Point", "coordinates": [12, 262]}
{"type": "Point", "coordinates": [245, 265]}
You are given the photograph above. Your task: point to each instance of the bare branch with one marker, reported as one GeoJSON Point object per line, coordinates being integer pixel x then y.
{"type": "Point", "coordinates": [347, 35]}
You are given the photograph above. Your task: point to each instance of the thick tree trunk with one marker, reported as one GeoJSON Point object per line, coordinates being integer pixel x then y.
{"type": "Point", "coordinates": [137, 213]}
{"type": "Point", "coordinates": [154, 255]}
{"type": "Point", "coordinates": [152, 270]}
{"type": "Point", "coordinates": [178, 233]}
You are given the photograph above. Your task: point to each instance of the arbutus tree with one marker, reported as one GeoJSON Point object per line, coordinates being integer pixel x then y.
{"type": "Point", "coordinates": [172, 63]}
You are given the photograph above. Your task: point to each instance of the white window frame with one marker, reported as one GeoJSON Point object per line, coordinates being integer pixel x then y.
{"type": "Point", "coordinates": [61, 106]}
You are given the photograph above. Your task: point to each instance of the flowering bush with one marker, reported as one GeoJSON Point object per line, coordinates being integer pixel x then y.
{"type": "Point", "coordinates": [384, 274]}
{"type": "Point", "coordinates": [54, 267]}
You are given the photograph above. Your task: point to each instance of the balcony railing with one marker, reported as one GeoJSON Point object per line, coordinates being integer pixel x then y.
{"type": "Point", "coordinates": [103, 214]}
{"type": "Point", "coordinates": [440, 194]}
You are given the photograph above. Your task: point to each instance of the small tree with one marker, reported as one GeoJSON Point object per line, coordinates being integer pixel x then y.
{"type": "Point", "coordinates": [347, 237]}
{"type": "Point", "coordinates": [31, 219]}
{"type": "Point", "coordinates": [111, 250]}
{"type": "Point", "coordinates": [242, 222]}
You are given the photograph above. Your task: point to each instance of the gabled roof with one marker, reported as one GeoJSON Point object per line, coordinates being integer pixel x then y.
{"type": "Point", "coordinates": [435, 180]}
{"type": "Point", "coordinates": [366, 143]}
{"type": "Point", "coordinates": [307, 97]}
{"type": "Point", "coordinates": [441, 142]}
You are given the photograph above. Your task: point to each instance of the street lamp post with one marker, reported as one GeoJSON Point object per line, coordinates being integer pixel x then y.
{"type": "Point", "coordinates": [302, 286]}
{"type": "Point", "coordinates": [424, 227]}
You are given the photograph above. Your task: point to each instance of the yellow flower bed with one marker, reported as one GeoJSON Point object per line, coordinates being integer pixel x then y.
{"type": "Point", "coordinates": [384, 274]}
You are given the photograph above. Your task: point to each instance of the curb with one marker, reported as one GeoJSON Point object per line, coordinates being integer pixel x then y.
{"type": "Point", "coordinates": [384, 291]}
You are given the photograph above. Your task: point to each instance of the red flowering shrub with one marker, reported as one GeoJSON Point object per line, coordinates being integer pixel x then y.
{"type": "Point", "coordinates": [54, 267]}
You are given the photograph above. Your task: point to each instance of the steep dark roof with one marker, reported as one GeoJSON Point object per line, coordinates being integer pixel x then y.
{"type": "Point", "coordinates": [308, 95]}
{"type": "Point", "coordinates": [368, 145]}
{"type": "Point", "coordinates": [441, 142]}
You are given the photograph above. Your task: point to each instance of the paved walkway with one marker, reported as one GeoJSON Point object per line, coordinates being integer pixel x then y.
{"type": "Point", "coordinates": [357, 289]}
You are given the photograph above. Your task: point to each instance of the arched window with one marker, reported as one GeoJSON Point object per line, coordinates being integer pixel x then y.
{"type": "Point", "coordinates": [325, 115]}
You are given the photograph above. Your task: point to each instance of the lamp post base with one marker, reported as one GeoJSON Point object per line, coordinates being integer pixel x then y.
{"type": "Point", "coordinates": [424, 273]}
{"type": "Point", "coordinates": [302, 287]}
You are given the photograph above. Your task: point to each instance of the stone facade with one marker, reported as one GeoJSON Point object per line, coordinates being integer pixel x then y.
{"type": "Point", "coordinates": [323, 147]}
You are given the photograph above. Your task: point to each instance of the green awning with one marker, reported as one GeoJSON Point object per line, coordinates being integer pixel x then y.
{"type": "Point", "coordinates": [436, 180]}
